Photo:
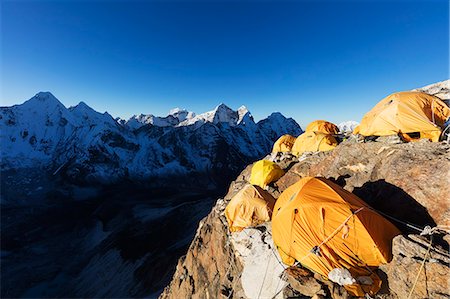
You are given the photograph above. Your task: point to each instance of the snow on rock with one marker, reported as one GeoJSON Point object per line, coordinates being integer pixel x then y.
{"type": "Point", "coordinates": [221, 114]}
{"type": "Point", "coordinates": [439, 89]}
{"type": "Point", "coordinates": [174, 117]}
{"type": "Point", "coordinates": [276, 122]}
{"type": "Point", "coordinates": [181, 114]}
{"type": "Point", "coordinates": [32, 130]}
{"type": "Point", "coordinates": [137, 121]}
{"type": "Point", "coordinates": [347, 126]}
{"type": "Point", "coordinates": [262, 269]}
{"type": "Point", "coordinates": [245, 118]}
{"type": "Point", "coordinates": [91, 117]}
{"type": "Point", "coordinates": [86, 145]}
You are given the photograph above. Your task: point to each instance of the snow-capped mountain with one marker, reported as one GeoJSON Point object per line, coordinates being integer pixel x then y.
{"type": "Point", "coordinates": [221, 114]}
{"type": "Point", "coordinates": [347, 126]}
{"type": "Point", "coordinates": [87, 146]}
{"type": "Point", "coordinates": [175, 117]}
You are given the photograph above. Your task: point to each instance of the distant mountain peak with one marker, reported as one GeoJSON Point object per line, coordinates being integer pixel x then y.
{"type": "Point", "coordinates": [45, 95]}
{"type": "Point", "coordinates": [243, 108]}
{"type": "Point", "coordinates": [276, 115]}
{"type": "Point", "coordinates": [81, 106]}
{"type": "Point", "coordinates": [222, 106]}
{"type": "Point", "coordinates": [176, 110]}
{"type": "Point", "coordinates": [347, 126]}
{"type": "Point", "coordinates": [245, 117]}
{"type": "Point", "coordinates": [46, 98]}
{"type": "Point", "coordinates": [181, 114]}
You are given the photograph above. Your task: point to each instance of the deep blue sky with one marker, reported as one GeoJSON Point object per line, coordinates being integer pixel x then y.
{"type": "Point", "coordinates": [306, 59]}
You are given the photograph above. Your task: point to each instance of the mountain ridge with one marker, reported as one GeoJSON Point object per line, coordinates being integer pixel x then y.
{"type": "Point", "coordinates": [86, 146]}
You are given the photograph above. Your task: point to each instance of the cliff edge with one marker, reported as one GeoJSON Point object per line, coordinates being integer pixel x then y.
{"type": "Point", "coordinates": [406, 181]}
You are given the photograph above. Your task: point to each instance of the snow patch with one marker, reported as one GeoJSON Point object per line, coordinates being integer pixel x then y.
{"type": "Point", "coordinates": [347, 126]}
{"type": "Point", "coordinates": [261, 275]}
{"type": "Point", "coordinates": [439, 89]}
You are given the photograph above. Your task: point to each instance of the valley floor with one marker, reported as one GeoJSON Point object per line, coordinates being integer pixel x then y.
{"type": "Point", "coordinates": [123, 241]}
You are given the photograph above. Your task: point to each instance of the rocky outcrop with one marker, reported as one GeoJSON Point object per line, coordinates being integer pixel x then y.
{"type": "Point", "coordinates": [439, 89]}
{"type": "Point", "coordinates": [210, 269]}
{"type": "Point", "coordinates": [407, 181]}
{"type": "Point", "coordinates": [415, 270]}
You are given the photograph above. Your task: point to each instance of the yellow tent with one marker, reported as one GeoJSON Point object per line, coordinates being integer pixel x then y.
{"type": "Point", "coordinates": [313, 142]}
{"type": "Point", "coordinates": [249, 207]}
{"type": "Point", "coordinates": [283, 144]}
{"type": "Point", "coordinates": [324, 227]}
{"type": "Point", "coordinates": [403, 113]}
{"type": "Point", "coordinates": [322, 126]}
{"type": "Point", "coordinates": [265, 172]}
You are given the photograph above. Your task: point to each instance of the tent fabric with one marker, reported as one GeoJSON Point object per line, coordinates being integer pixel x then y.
{"type": "Point", "coordinates": [403, 113]}
{"type": "Point", "coordinates": [313, 142]}
{"type": "Point", "coordinates": [315, 212]}
{"type": "Point", "coordinates": [251, 206]}
{"type": "Point", "coordinates": [284, 144]}
{"type": "Point", "coordinates": [265, 172]}
{"type": "Point", "coordinates": [322, 126]}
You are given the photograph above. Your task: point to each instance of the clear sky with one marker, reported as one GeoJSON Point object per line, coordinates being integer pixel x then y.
{"type": "Point", "coordinates": [307, 59]}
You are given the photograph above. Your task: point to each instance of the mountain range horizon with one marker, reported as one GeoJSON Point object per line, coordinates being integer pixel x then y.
{"type": "Point", "coordinates": [137, 120]}
{"type": "Point", "coordinates": [139, 117]}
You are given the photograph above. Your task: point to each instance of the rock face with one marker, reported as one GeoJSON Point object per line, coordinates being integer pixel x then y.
{"type": "Point", "coordinates": [210, 269]}
{"type": "Point", "coordinates": [410, 252]}
{"type": "Point", "coordinates": [407, 181]}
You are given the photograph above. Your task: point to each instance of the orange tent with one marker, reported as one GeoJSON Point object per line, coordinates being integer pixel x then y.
{"type": "Point", "coordinates": [283, 144]}
{"type": "Point", "coordinates": [313, 142]}
{"type": "Point", "coordinates": [249, 207]}
{"type": "Point", "coordinates": [403, 113]}
{"type": "Point", "coordinates": [322, 126]}
{"type": "Point", "coordinates": [324, 227]}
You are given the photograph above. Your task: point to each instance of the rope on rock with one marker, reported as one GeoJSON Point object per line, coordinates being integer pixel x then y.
{"type": "Point", "coordinates": [421, 267]}
{"type": "Point", "coordinates": [437, 229]}
{"type": "Point", "coordinates": [427, 230]}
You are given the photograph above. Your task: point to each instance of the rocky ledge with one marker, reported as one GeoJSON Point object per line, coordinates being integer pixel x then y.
{"type": "Point", "coordinates": [406, 181]}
